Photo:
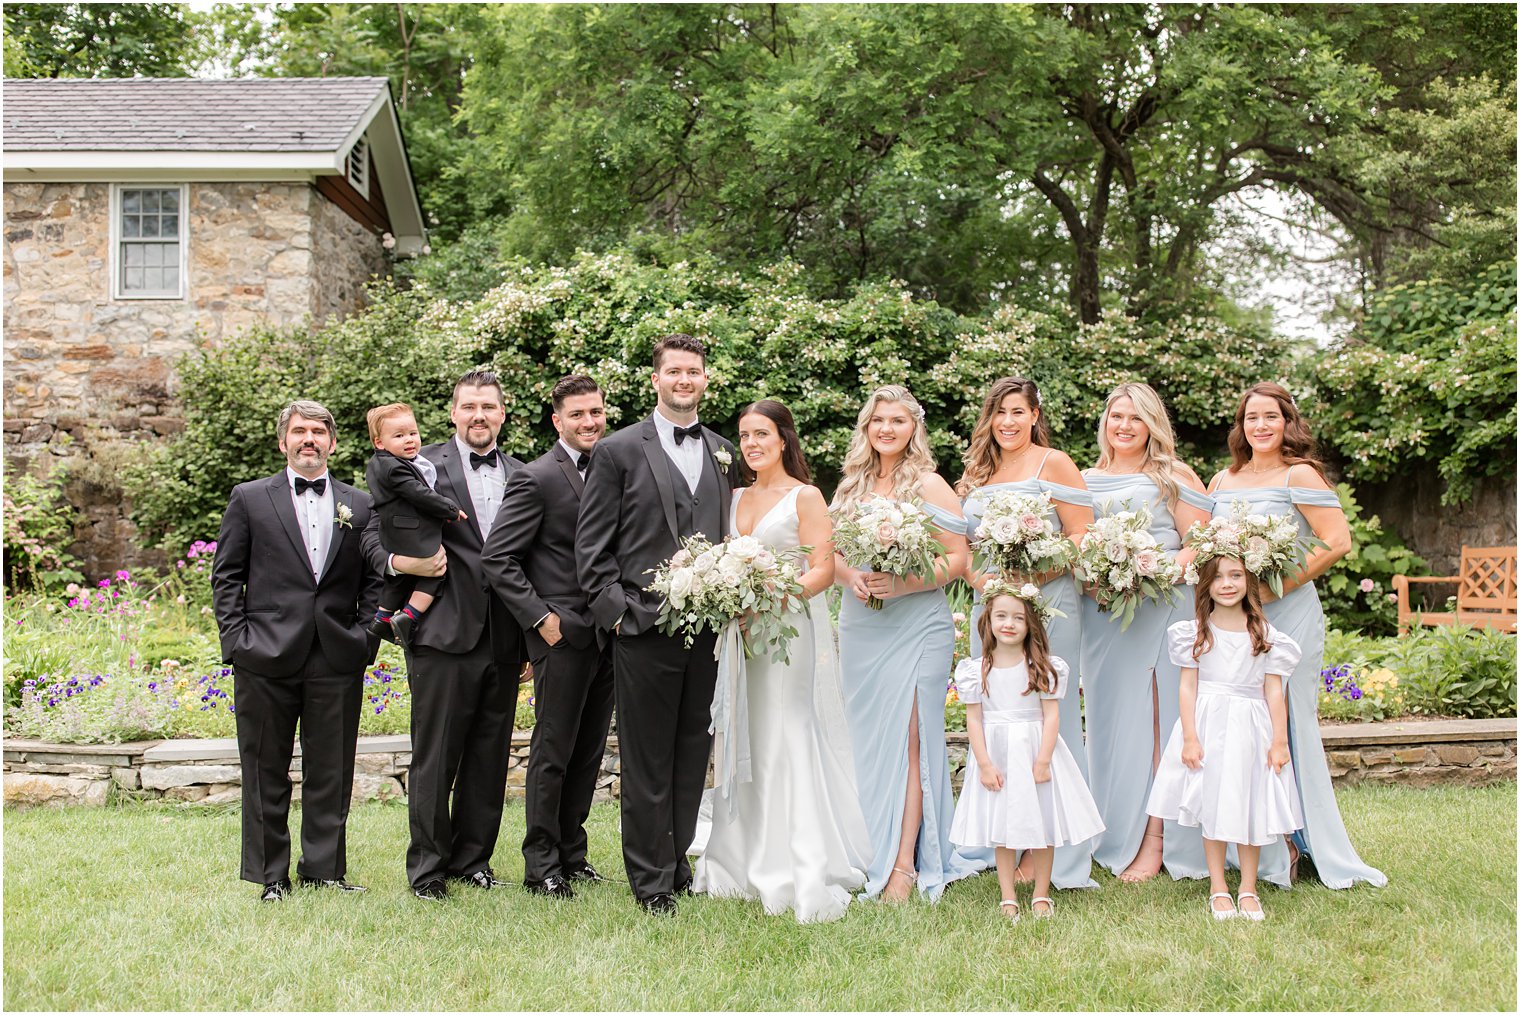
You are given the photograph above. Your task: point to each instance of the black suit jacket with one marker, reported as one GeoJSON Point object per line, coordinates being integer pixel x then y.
{"type": "Point", "coordinates": [269, 609]}
{"type": "Point", "coordinates": [529, 557]}
{"type": "Point", "coordinates": [412, 514]}
{"type": "Point", "coordinates": [455, 622]}
{"type": "Point", "coordinates": [627, 524]}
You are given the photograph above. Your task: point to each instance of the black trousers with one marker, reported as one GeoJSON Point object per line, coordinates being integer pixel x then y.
{"type": "Point", "coordinates": [572, 703]}
{"type": "Point", "coordinates": [664, 704]}
{"type": "Point", "coordinates": [326, 704]}
{"type": "Point", "coordinates": [398, 588]}
{"type": "Point", "coordinates": [462, 709]}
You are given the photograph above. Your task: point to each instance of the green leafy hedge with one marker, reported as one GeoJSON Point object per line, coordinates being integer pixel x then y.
{"type": "Point", "coordinates": [601, 315]}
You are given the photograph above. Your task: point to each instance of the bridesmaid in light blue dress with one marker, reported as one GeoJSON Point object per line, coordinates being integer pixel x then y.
{"type": "Point", "coordinates": [1275, 471]}
{"type": "Point", "coordinates": [1129, 680]}
{"type": "Point", "coordinates": [895, 662]}
{"type": "Point", "coordinates": [1010, 450]}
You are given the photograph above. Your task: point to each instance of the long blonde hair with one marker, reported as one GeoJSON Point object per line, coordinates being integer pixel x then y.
{"type": "Point", "coordinates": [984, 455]}
{"type": "Point", "coordinates": [1160, 448]}
{"type": "Point", "coordinates": [861, 461]}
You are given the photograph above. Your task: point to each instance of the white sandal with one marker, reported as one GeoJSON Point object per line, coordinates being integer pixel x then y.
{"type": "Point", "coordinates": [1222, 914]}
{"type": "Point", "coordinates": [1254, 915]}
{"type": "Point", "coordinates": [1004, 906]}
{"type": "Point", "coordinates": [1047, 914]}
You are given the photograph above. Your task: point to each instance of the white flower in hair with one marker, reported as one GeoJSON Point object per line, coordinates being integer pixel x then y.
{"type": "Point", "coordinates": [1029, 590]}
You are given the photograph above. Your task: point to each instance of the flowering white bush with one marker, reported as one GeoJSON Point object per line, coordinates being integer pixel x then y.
{"type": "Point", "coordinates": [1018, 535]}
{"type": "Point", "coordinates": [1125, 564]}
{"type": "Point", "coordinates": [1268, 545]}
{"type": "Point", "coordinates": [706, 586]}
{"type": "Point", "coordinates": [888, 536]}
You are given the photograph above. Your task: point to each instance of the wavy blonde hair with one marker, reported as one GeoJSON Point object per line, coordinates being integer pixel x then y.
{"type": "Point", "coordinates": [861, 461]}
{"type": "Point", "coordinates": [984, 455]}
{"type": "Point", "coordinates": [1160, 448]}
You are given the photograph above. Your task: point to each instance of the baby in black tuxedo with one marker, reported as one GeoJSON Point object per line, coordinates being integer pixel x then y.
{"type": "Point", "coordinates": [412, 516]}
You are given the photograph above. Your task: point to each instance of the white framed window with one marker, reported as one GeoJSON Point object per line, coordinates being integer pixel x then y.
{"type": "Point", "coordinates": [148, 241]}
{"type": "Point", "coordinates": [356, 167]}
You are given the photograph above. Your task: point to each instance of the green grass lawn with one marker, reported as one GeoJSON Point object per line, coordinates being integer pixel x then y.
{"type": "Point", "coordinates": [138, 907]}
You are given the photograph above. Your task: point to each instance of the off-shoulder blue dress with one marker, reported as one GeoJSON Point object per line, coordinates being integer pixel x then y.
{"type": "Point", "coordinates": [1073, 864]}
{"type": "Point", "coordinates": [1116, 680]}
{"type": "Point", "coordinates": [893, 660]}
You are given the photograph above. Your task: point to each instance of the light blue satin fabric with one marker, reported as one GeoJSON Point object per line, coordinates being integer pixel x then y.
{"type": "Point", "coordinates": [1298, 615]}
{"type": "Point", "coordinates": [1073, 864]}
{"type": "Point", "coordinates": [1116, 679]}
{"type": "Point", "coordinates": [888, 659]}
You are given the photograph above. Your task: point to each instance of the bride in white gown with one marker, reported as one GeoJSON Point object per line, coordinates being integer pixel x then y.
{"type": "Point", "coordinates": [792, 834]}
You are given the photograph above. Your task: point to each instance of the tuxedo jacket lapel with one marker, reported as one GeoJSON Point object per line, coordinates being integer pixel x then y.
{"type": "Point", "coordinates": [659, 465]}
{"type": "Point", "coordinates": [725, 492]}
{"type": "Point", "coordinates": [285, 511]}
{"type": "Point", "coordinates": [452, 469]}
{"type": "Point", "coordinates": [341, 496]}
{"type": "Point", "coordinates": [571, 472]}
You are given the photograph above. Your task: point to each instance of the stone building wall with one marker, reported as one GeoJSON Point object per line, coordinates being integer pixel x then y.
{"type": "Point", "coordinates": [81, 368]}
{"type": "Point", "coordinates": [1412, 507]}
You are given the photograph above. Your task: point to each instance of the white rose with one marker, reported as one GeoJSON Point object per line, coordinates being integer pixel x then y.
{"type": "Point", "coordinates": [1004, 530]}
{"type": "Point", "coordinates": [680, 587]}
{"type": "Point", "coordinates": [745, 547]}
{"type": "Point", "coordinates": [704, 562]}
{"type": "Point", "coordinates": [730, 564]}
{"type": "Point", "coordinates": [1115, 551]}
{"type": "Point", "coordinates": [1029, 590]}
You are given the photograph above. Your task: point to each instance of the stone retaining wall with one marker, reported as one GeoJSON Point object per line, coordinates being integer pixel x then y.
{"type": "Point", "coordinates": [1460, 752]}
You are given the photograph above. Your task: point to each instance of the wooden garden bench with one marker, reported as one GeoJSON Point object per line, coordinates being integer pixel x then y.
{"type": "Point", "coordinates": [1485, 592]}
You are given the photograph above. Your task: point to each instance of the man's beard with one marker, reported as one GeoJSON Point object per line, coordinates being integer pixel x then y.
{"type": "Point", "coordinates": [683, 403]}
{"type": "Point", "coordinates": [487, 439]}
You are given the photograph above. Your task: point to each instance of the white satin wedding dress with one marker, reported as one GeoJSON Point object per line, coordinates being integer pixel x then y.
{"type": "Point", "coordinates": [791, 836]}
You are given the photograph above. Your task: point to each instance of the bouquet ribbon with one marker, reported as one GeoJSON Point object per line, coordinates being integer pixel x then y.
{"type": "Point", "coordinates": [730, 717]}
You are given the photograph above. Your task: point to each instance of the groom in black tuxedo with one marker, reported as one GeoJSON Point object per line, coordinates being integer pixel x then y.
{"type": "Point", "coordinates": [293, 593]}
{"type": "Point", "coordinates": [530, 562]}
{"type": "Point", "coordinates": [463, 661]}
{"type": "Point", "coordinates": [650, 486]}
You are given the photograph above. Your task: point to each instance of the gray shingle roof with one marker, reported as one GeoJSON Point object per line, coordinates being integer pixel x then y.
{"type": "Point", "coordinates": [185, 114]}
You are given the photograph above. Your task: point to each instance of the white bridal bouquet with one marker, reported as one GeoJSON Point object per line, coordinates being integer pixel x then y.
{"type": "Point", "coordinates": [1017, 535]}
{"type": "Point", "coordinates": [1125, 564]}
{"type": "Point", "coordinates": [889, 536]}
{"type": "Point", "coordinates": [1268, 545]}
{"type": "Point", "coordinates": [708, 586]}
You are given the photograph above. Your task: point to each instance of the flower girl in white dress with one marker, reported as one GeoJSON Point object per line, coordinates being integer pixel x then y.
{"type": "Point", "coordinates": [1227, 768]}
{"type": "Point", "coordinates": [1023, 789]}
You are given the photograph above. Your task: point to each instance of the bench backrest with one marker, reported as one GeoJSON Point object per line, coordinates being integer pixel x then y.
{"type": "Point", "coordinates": [1487, 579]}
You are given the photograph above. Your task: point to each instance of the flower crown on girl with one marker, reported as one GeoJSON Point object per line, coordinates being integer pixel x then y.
{"type": "Point", "coordinates": [1028, 592]}
{"type": "Point", "coordinates": [1266, 544]}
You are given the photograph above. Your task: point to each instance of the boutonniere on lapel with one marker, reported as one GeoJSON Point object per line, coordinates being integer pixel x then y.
{"type": "Point", "coordinates": [724, 460]}
{"type": "Point", "coordinates": [344, 516]}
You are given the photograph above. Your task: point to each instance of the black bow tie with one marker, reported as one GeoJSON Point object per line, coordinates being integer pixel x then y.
{"type": "Point", "coordinates": [489, 458]}
{"type": "Point", "coordinates": [303, 484]}
{"type": "Point", "coordinates": [582, 462]}
{"type": "Point", "coordinates": [694, 432]}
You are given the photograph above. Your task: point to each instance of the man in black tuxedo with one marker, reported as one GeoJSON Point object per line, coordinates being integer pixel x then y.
{"type": "Point", "coordinates": [293, 592]}
{"type": "Point", "coordinates": [463, 661]}
{"type": "Point", "coordinates": [650, 486]}
{"type": "Point", "coordinates": [530, 561]}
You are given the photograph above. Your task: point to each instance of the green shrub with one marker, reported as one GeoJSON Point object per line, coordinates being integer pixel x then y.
{"type": "Point", "coordinates": [39, 527]}
{"type": "Point", "coordinates": [1357, 593]}
{"type": "Point", "coordinates": [1458, 671]}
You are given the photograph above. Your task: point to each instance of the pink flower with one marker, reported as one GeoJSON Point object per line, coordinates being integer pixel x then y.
{"type": "Point", "coordinates": [1146, 562]}
{"type": "Point", "coordinates": [1031, 523]}
{"type": "Point", "coordinates": [886, 533]}
{"type": "Point", "coordinates": [1368, 584]}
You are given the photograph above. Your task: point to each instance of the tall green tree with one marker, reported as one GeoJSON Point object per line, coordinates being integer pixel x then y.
{"type": "Point", "coordinates": [100, 40]}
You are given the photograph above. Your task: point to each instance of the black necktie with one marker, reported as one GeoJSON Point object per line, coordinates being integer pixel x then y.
{"type": "Point", "coordinates": [694, 432]}
{"type": "Point", "coordinates": [303, 484]}
{"type": "Point", "coordinates": [489, 458]}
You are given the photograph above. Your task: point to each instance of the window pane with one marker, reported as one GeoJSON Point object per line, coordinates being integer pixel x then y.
{"type": "Point", "coordinates": [131, 200]}
{"type": "Point", "coordinates": [168, 225]}
{"type": "Point", "coordinates": [153, 279]}
{"type": "Point", "coordinates": [132, 280]}
{"type": "Point", "coordinates": [150, 225]}
{"type": "Point", "coordinates": [150, 200]}
{"type": "Point", "coordinates": [130, 226]}
{"type": "Point", "coordinates": [171, 278]}
{"type": "Point", "coordinates": [170, 200]}
{"type": "Point", "coordinates": [133, 252]}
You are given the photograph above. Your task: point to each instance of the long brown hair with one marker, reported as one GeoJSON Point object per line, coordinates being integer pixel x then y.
{"type": "Point", "coordinates": [984, 455]}
{"type": "Point", "coordinates": [1256, 618]}
{"type": "Point", "coordinates": [1042, 674]}
{"type": "Point", "coordinates": [792, 459]}
{"type": "Point", "coordinates": [1297, 442]}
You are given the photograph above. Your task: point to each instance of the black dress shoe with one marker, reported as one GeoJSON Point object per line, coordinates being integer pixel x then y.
{"type": "Point", "coordinates": [338, 883]}
{"type": "Point", "coordinates": [583, 872]}
{"type": "Point", "coordinates": [275, 891]}
{"type": "Point", "coordinates": [382, 630]}
{"type": "Point", "coordinates": [402, 627]}
{"type": "Point", "coordinates": [481, 879]}
{"type": "Point", "coordinates": [432, 891]}
{"type": "Point", "coordinates": [684, 888]}
{"type": "Point", "coordinates": [659, 904]}
{"type": "Point", "coordinates": [553, 886]}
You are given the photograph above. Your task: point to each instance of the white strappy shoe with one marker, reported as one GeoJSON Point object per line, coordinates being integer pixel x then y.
{"type": "Point", "coordinates": [1034, 905]}
{"type": "Point", "coordinates": [1254, 915]}
{"type": "Point", "coordinates": [1222, 914]}
{"type": "Point", "coordinates": [1014, 917]}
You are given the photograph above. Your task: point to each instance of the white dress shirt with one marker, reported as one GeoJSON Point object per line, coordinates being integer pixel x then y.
{"type": "Point", "coordinates": [425, 466]}
{"type": "Point", "coordinates": [687, 456]}
{"type": "Point", "coordinates": [575, 456]}
{"type": "Point", "coordinates": [485, 483]}
{"type": "Point", "coordinates": [314, 516]}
